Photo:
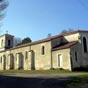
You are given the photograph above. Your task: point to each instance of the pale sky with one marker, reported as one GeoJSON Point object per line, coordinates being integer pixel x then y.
{"type": "Point", "coordinates": [37, 18]}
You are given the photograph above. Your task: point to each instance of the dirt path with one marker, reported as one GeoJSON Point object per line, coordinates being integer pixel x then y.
{"type": "Point", "coordinates": [26, 75]}
{"type": "Point", "coordinates": [35, 80]}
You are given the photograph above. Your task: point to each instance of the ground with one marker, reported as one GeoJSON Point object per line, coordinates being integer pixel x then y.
{"type": "Point", "coordinates": [25, 80]}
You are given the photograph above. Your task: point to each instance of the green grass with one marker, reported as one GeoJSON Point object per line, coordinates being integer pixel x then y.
{"type": "Point", "coordinates": [78, 82]}
{"type": "Point", "coordinates": [39, 71]}
{"type": "Point", "coordinates": [36, 71]}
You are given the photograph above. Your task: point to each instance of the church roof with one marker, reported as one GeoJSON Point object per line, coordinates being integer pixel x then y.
{"type": "Point", "coordinates": [67, 33]}
{"type": "Point", "coordinates": [50, 38]}
{"type": "Point", "coordinates": [59, 35]}
{"type": "Point", "coordinates": [56, 36]}
{"type": "Point", "coordinates": [64, 46]}
{"type": "Point", "coordinates": [6, 35]}
{"type": "Point", "coordinates": [9, 35]}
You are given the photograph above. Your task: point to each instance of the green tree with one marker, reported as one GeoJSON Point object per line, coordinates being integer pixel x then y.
{"type": "Point", "coordinates": [49, 35]}
{"type": "Point", "coordinates": [26, 40]}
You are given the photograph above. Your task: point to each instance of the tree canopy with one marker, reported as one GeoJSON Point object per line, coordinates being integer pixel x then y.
{"type": "Point", "coordinates": [26, 40]}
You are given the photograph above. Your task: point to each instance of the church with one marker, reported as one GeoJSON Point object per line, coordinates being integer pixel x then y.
{"type": "Point", "coordinates": [64, 51]}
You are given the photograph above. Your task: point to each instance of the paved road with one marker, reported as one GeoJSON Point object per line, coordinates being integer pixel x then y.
{"type": "Point", "coordinates": [34, 80]}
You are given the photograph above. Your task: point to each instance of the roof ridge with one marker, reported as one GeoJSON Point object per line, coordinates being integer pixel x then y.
{"type": "Point", "coordinates": [53, 37]}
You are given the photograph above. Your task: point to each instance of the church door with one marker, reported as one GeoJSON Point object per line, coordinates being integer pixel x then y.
{"type": "Point", "coordinates": [4, 63]}
{"type": "Point", "coordinates": [59, 60]}
{"type": "Point", "coordinates": [20, 61]}
{"type": "Point", "coordinates": [32, 60]}
{"type": "Point", "coordinates": [11, 61]}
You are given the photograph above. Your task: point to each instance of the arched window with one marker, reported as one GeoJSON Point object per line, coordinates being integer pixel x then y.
{"type": "Point", "coordinates": [43, 50]}
{"type": "Point", "coordinates": [76, 56]}
{"type": "Point", "coordinates": [9, 42]}
{"type": "Point", "coordinates": [84, 45]}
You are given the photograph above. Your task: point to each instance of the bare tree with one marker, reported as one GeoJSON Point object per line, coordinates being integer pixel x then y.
{"type": "Point", "coordinates": [17, 41]}
{"type": "Point", "coordinates": [3, 5]}
{"type": "Point", "coordinates": [70, 30]}
{"type": "Point", "coordinates": [66, 31]}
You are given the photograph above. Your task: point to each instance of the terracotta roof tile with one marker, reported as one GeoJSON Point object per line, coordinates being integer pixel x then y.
{"type": "Point", "coordinates": [59, 35]}
{"type": "Point", "coordinates": [51, 38]}
{"type": "Point", "coordinates": [9, 35]}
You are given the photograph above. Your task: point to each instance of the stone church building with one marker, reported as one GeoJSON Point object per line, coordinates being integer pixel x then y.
{"type": "Point", "coordinates": [64, 51]}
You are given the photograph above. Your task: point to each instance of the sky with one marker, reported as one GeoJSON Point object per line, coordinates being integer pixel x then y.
{"type": "Point", "coordinates": [37, 18]}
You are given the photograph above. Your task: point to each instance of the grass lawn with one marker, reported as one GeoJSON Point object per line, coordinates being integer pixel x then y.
{"type": "Point", "coordinates": [78, 82]}
{"type": "Point", "coordinates": [39, 71]}
{"type": "Point", "coordinates": [36, 71]}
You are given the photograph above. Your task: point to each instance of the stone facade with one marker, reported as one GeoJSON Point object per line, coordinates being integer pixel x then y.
{"type": "Point", "coordinates": [64, 51]}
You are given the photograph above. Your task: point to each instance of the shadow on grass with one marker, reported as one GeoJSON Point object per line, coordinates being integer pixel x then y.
{"type": "Point", "coordinates": [29, 82]}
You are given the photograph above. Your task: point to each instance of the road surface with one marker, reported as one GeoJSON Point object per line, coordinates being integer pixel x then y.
{"type": "Point", "coordinates": [20, 80]}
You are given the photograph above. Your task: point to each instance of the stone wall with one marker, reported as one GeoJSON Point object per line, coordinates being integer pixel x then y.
{"type": "Point", "coordinates": [66, 64]}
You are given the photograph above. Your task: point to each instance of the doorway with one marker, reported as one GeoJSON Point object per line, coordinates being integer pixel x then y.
{"type": "Point", "coordinates": [20, 61]}
{"type": "Point", "coordinates": [4, 62]}
{"type": "Point", "coordinates": [60, 61]}
{"type": "Point", "coordinates": [11, 61]}
{"type": "Point", "coordinates": [32, 60]}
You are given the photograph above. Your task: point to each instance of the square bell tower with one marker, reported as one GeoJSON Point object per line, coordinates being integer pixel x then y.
{"type": "Point", "coordinates": [6, 41]}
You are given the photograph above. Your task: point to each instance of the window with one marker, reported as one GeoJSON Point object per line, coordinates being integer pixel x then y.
{"type": "Point", "coordinates": [43, 50]}
{"type": "Point", "coordinates": [26, 54]}
{"type": "Point", "coordinates": [84, 45]}
{"type": "Point", "coordinates": [2, 43]}
{"type": "Point", "coordinates": [76, 58]}
{"type": "Point", "coordinates": [59, 60]}
{"type": "Point", "coordinates": [1, 59]}
{"type": "Point", "coordinates": [9, 42]}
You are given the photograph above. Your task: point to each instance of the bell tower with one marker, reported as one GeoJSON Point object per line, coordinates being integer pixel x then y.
{"type": "Point", "coordinates": [6, 41]}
